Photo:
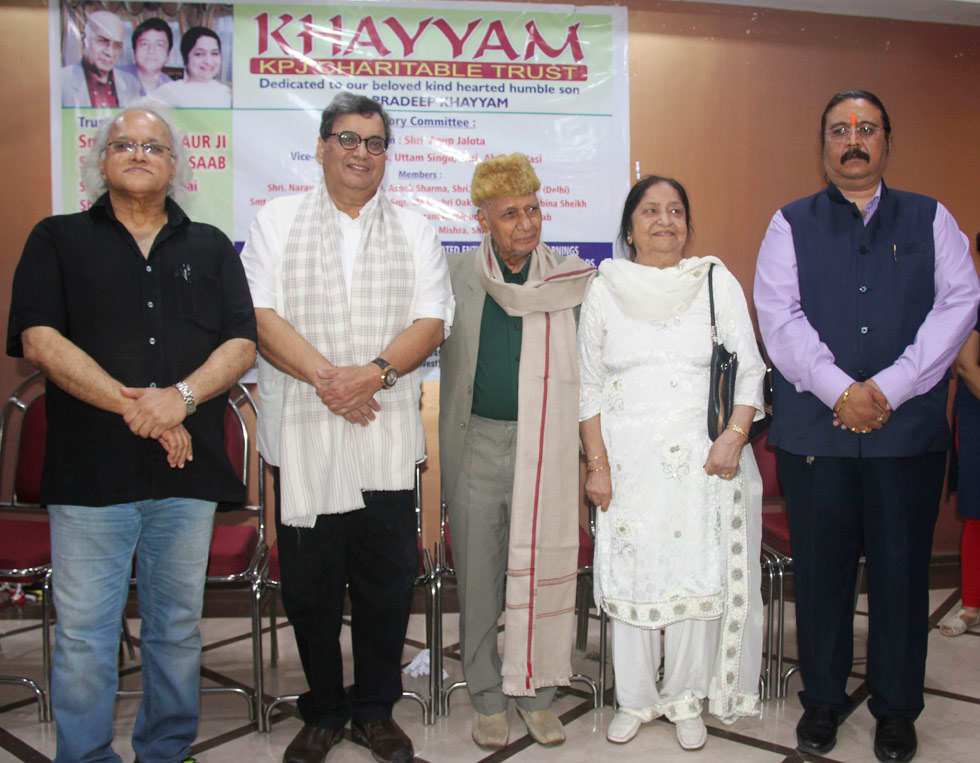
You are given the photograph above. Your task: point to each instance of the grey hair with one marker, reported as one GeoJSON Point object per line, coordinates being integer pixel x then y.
{"type": "Point", "coordinates": [350, 103]}
{"type": "Point", "coordinates": [95, 184]}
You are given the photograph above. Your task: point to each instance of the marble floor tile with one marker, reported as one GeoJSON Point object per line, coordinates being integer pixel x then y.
{"type": "Point", "coordinates": [948, 730]}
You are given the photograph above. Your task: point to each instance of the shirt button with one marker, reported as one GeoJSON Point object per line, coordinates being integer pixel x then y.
{"type": "Point", "coordinates": [153, 384]}
{"type": "Point", "coordinates": [517, 327]}
{"type": "Point", "coordinates": [863, 373]}
{"type": "Point", "coordinates": [150, 304]}
{"type": "Point", "coordinates": [149, 268]}
{"type": "Point", "coordinates": [462, 425]}
{"type": "Point", "coordinates": [864, 329]}
{"type": "Point", "coordinates": [863, 249]}
{"type": "Point", "coordinates": [861, 289]}
{"type": "Point", "coordinates": [154, 341]}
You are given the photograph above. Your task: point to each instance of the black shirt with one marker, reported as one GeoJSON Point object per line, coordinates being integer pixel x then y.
{"type": "Point", "coordinates": [147, 321]}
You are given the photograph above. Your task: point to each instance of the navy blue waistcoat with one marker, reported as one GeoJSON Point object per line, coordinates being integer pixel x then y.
{"type": "Point", "coordinates": [866, 290]}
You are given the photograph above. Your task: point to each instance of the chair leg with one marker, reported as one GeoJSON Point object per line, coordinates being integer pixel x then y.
{"type": "Point", "coordinates": [46, 646]}
{"type": "Point", "coordinates": [602, 656]}
{"type": "Point", "coordinates": [433, 637]}
{"type": "Point", "coordinates": [257, 666]}
{"type": "Point", "coordinates": [273, 633]}
{"type": "Point", "coordinates": [781, 636]}
{"type": "Point", "coordinates": [127, 641]}
{"type": "Point", "coordinates": [582, 613]}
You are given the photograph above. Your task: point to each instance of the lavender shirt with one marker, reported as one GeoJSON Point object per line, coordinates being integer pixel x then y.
{"type": "Point", "coordinates": [808, 364]}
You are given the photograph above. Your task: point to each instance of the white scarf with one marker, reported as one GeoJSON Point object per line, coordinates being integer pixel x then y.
{"type": "Point", "coordinates": [655, 294]}
{"type": "Point", "coordinates": [326, 461]}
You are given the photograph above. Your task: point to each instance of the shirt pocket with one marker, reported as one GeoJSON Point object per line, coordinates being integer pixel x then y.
{"type": "Point", "coordinates": [198, 298]}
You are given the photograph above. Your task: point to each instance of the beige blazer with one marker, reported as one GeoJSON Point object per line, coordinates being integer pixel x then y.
{"type": "Point", "coordinates": [457, 365]}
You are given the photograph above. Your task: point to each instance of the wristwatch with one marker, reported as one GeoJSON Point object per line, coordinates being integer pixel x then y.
{"type": "Point", "coordinates": [185, 392]}
{"type": "Point", "coordinates": [388, 373]}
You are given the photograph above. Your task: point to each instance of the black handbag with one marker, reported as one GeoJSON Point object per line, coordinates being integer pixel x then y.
{"type": "Point", "coordinates": [724, 366]}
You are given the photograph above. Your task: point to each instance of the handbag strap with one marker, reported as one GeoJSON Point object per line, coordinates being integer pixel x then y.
{"type": "Point", "coordinates": [711, 305]}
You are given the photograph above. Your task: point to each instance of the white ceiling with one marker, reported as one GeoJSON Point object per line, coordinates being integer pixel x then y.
{"type": "Point", "coordinates": [965, 12]}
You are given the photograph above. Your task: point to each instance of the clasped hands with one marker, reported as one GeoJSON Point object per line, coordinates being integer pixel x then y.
{"type": "Point", "coordinates": [864, 408]}
{"type": "Point", "coordinates": [158, 413]}
{"type": "Point", "coordinates": [348, 391]}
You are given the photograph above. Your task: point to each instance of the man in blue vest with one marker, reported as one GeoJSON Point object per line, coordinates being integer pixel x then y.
{"type": "Point", "coordinates": [864, 295]}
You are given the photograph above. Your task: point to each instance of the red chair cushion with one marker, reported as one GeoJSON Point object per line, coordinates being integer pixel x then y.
{"type": "Point", "coordinates": [30, 454]}
{"type": "Point", "coordinates": [24, 544]}
{"type": "Point", "coordinates": [775, 532]}
{"type": "Point", "coordinates": [586, 548]}
{"type": "Point", "coordinates": [273, 573]}
{"type": "Point", "coordinates": [232, 547]}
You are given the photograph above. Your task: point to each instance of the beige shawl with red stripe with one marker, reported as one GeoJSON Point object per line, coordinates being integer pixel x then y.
{"type": "Point", "coordinates": [543, 553]}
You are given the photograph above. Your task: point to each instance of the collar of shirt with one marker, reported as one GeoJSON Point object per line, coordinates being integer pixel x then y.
{"type": "Point", "coordinates": [510, 276]}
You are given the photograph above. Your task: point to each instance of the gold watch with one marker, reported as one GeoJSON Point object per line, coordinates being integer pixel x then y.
{"type": "Point", "coordinates": [389, 375]}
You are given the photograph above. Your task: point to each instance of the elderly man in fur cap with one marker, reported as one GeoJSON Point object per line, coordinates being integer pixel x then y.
{"type": "Point", "coordinates": [509, 456]}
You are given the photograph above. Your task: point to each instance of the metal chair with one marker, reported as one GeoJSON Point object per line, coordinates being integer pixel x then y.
{"type": "Point", "coordinates": [238, 550]}
{"type": "Point", "coordinates": [445, 571]}
{"type": "Point", "coordinates": [25, 544]}
{"type": "Point", "coordinates": [268, 582]}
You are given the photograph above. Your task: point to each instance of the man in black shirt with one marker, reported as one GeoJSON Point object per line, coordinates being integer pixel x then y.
{"type": "Point", "coordinates": [138, 318]}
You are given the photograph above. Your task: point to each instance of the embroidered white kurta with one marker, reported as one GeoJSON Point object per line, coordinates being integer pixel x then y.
{"type": "Point", "coordinates": [675, 544]}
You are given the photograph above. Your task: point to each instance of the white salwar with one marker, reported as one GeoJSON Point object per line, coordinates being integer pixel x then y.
{"type": "Point", "coordinates": [675, 545]}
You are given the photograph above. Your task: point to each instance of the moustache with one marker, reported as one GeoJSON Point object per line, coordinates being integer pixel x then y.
{"type": "Point", "coordinates": [855, 153]}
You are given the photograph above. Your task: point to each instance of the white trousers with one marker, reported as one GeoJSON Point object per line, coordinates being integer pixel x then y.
{"type": "Point", "coordinates": [688, 647]}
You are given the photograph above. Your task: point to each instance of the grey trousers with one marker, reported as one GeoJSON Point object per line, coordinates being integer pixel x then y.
{"type": "Point", "coordinates": [479, 523]}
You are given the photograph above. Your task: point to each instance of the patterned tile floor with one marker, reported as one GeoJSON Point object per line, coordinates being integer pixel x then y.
{"type": "Point", "coordinates": [949, 728]}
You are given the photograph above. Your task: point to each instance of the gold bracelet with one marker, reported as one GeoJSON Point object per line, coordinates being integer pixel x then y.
{"type": "Point", "coordinates": [843, 400]}
{"type": "Point", "coordinates": [596, 458]}
{"type": "Point", "coordinates": [736, 428]}
{"type": "Point", "coordinates": [597, 469]}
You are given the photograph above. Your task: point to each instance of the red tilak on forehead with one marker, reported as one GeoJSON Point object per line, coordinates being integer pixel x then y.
{"type": "Point", "coordinates": [854, 119]}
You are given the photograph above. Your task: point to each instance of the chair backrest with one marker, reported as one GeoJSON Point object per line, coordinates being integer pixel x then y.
{"type": "Point", "coordinates": [23, 434]}
{"type": "Point", "coordinates": [237, 445]}
{"type": "Point", "coordinates": [765, 457]}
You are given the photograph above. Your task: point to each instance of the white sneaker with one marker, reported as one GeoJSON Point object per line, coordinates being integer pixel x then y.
{"type": "Point", "coordinates": [622, 728]}
{"type": "Point", "coordinates": [691, 733]}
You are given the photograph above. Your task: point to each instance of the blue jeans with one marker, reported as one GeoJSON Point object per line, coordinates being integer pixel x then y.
{"type": "Point", "coordinates": [92, 557]}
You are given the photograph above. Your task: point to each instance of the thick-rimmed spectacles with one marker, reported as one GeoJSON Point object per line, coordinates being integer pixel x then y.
{"type": "Point", "coordinates": [130, 146]}
{"type": "Point", "coordinates": [841, 133]}
{"type": "Point", "coordinates": [350, 140]}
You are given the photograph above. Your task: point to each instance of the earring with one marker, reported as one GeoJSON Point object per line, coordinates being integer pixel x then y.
{"type": "Point", "coordinates": [629, 240]}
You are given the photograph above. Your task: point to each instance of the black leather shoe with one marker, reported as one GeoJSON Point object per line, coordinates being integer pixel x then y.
{"type": "Point", "coordinates": [817, 729]}
{"type": "Point", "coordinates": [895, 738]}
{"type": "Point", "coordinates": [312, 744]}
{"type": "Point", "coordinates": [387, 742]}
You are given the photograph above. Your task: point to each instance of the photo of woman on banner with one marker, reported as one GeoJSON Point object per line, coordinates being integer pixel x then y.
{"type": "Point", "coordinates": [200, 48]}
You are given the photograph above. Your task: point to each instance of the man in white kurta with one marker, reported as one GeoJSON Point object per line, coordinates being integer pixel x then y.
{"type": "Point", "coordinates": [352, 293]}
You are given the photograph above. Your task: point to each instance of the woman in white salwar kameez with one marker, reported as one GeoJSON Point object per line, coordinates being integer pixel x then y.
{"type": "Point", "coordinates": [679, 526]}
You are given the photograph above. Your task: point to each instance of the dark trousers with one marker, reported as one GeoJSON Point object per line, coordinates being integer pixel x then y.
{"type": "Point", "coordinates": [372, 555]}
{"type": "Point", "coordinates": [885, 508]}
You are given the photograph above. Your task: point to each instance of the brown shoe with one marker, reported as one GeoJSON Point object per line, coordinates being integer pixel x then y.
{"type": "Point", "coordinates": [387, 742]}
{"type": "Point", "coordinates": [312, 744]}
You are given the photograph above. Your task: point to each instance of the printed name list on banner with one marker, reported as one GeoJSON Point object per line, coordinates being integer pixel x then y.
{"type": "Point", "coordinates": [461, 82]}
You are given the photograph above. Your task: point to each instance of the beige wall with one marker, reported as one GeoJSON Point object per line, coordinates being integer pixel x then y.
{"type": "Point", "coordinates": [727, 99]}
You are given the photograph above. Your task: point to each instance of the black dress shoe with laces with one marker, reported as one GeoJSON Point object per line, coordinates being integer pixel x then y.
{"type": "Point", "coordinates": [312, 744]}
{"type": "Point", "coordinates": [817, 729]}
{"type": "Point", "coordinates": [895, 739]}
{"type": "Point", "coordinates": [385, 739]}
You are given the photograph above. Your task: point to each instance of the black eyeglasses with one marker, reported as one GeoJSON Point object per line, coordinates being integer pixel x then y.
{"type": "Point", "coordinates": [130, 146]}
{"type": "Point", "coordinates": [350, 140]}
